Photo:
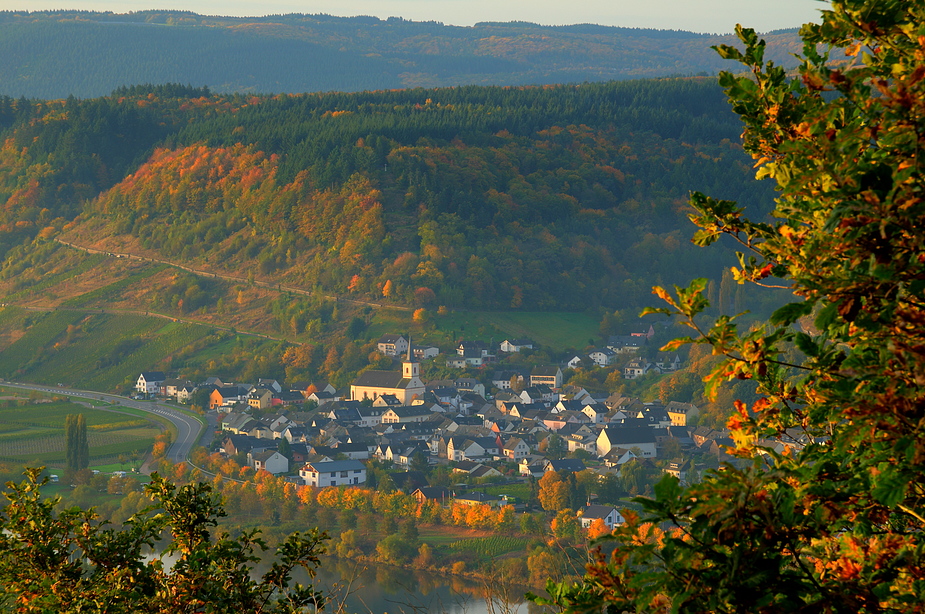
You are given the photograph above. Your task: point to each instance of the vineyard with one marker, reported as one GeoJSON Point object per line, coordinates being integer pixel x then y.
{"type": "Point", "coordinates": [112, 292]}
{"type": "Point", "coordinates": [43, 330]}
{"type": "Point", "coordinates": [96, 351]}
{"type": "Point", "coordinates": [53, 275]}
{"type": "Point", "coordinates": [34, 431]}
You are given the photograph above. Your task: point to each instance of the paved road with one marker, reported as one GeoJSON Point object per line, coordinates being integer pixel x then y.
{"type": "Point", "coordinates": [188, 428]}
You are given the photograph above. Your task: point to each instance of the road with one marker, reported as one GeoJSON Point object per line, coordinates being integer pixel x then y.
{"type": "Point", "coordinates": [188, 428]}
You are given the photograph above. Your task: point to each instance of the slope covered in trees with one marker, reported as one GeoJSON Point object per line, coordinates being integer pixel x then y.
{"type": "Point", "coordinates": [59, 53]}
{"type": "Point", "coordinates": [564, 197]}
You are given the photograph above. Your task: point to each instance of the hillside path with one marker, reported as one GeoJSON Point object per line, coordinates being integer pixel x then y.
{"type": "Point", "coordinates": [231, 278]}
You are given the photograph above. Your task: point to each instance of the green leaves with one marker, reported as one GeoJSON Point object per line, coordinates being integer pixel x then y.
{"type": "Point", "coordinates": [830, 515]}
{"type": "Point", "coordinates": [790, 313]}
{"type": "Point", "coordinates": [70, 560]}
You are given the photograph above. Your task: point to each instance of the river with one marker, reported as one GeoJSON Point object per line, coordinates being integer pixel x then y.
{"type": "Point", "coordinates": [383, 589]}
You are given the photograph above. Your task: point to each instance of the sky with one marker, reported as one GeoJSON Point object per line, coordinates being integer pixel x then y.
{"type": "Point", "coordinates": [711, 16]}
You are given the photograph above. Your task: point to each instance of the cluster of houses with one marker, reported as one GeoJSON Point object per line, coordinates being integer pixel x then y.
{"type": "Point", "coordinates": [395, 416]}
{"type": "Point", "coordinates": [478, 354]}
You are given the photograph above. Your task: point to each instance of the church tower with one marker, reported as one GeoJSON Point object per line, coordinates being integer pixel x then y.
{"type": "Point", "coordinates": [410, 368]}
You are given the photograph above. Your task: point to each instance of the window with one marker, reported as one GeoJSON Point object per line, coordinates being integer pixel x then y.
{"type": "Point", "coordinates": [343, 474]}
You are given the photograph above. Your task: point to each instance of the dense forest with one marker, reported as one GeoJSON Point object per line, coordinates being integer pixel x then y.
{"type": "Point", "coordinates": [53, 54]}
{"type": "Point", "coordinates": [540, 198]}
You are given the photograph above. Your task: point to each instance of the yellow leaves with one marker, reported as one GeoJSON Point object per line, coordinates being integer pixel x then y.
{"type": "Point", "coordinates": [663, 294]}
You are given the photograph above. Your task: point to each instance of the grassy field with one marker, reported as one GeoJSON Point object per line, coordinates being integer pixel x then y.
{"type": "Point", "coordinates": [32, 432]}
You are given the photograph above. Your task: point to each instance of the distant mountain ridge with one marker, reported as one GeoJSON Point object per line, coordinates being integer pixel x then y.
{"type": "Point", "coordinates": [54, 54]}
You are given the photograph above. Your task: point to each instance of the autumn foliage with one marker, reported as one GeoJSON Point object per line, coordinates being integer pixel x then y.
{"type": "Point", "coordinates": [824, 509]}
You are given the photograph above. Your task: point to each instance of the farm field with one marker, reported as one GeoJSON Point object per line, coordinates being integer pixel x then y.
{"type": "Point", "coordinates": [32, 432]}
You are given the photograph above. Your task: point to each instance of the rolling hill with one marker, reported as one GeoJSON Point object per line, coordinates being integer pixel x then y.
{"type": "Point", "coordinates": [54, 54]}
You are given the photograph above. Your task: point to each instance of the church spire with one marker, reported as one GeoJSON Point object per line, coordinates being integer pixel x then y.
{"type": "Point", "coordinates": [410, 368]}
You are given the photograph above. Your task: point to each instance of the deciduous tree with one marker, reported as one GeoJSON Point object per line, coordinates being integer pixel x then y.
{"type": "Point", "coordinates": [835, 523]}
{"type": "Point", "coordinates": [67, 560]}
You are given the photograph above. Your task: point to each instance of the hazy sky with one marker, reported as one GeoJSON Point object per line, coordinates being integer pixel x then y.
{"type": "Point", "coordinates": [696, 15]}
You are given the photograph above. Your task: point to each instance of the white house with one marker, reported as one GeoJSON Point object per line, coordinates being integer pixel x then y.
{"type": "Point", "coordinates": [603, 356]}
{"type": "Point", "coordinates": [629, 437]}
{"type": "Point", "coordinates": [269, 460]}
{"type": "Point", "coordinates": [637, 367]}
{"type": "Point", "coordinates": [149, 382]}
{"type": "Point", "coordinates": [516, 449]}
{"type": "Point", "coordinates": [333, 473]}
{"type": "Point", "coordinates": [515, 345]}
{"type": "Point", "coordinates": [607, 513]}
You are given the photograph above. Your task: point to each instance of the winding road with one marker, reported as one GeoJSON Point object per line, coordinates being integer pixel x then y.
{"type": "Point", "coordinates": [188, 427]}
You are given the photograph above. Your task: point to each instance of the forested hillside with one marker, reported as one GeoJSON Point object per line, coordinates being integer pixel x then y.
{"type": "Point", "coordinates": [567, 197]}
{"type": "Point", "coordinates": [82, 53]}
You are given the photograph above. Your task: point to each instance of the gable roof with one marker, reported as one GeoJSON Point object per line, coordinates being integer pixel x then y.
{"type": "Point", "coordinates": [629, 435]}
{"type": "Point", "coordinates": [153, 376]}
{"type": "Point", "coordinates": [379, 379]}
{"type": "Point", "coordinates": [326, 466]}
{"type": "Point", "coordinates": [598, 511]}
{"type": "Point", "coordinates": [567, 464]}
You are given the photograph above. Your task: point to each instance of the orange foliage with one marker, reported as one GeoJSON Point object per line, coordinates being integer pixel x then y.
{"type": "Point", "coordinates": [597, 529]}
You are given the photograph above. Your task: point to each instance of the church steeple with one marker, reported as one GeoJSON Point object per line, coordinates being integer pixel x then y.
{"type": "Point", "coordinates": [410, 368]}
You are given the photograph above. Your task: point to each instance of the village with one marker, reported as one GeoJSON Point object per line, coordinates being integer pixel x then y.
{"type": "Point", "coordinates": [529, 425]}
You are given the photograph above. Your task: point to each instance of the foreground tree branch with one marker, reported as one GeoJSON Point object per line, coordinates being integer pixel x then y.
{"type": "Point", "coordinates": [70, 560]}
{"type": "Point", "coordinates": [834, 524]}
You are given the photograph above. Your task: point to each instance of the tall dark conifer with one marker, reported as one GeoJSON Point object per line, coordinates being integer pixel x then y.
{"type": "Point", "coordinates": [77, 451]}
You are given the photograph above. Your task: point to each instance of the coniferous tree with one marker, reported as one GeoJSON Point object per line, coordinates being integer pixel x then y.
{"type": "Point", "coordinates": [77, 450]}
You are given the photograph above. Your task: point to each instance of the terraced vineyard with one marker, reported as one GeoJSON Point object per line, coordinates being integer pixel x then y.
{"type": "Point", "coordinates": [96, 351]}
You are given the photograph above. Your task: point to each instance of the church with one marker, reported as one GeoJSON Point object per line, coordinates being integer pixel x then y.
{"type": "Point", "coordinates": [406, 385]}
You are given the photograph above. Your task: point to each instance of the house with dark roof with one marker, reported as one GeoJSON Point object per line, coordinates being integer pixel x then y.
{"type": "Point", "coordinates": [392, 345]}
{"type": "Point", "coordinates": [630, 437]}
{"type": "Point", "coordinates": [405, 414]}
{"type": "Point", "coordinates": [607, 513]}
{"type": "Point", "coordinates": [516, 345]}
{"type": "Point", "coordinates": [572, 465]}
{"type": "Point", "coordinates": [637, 367]}
{"type": "Point", "coordinates": [502, 379]}
{"type": "Point", "coordinates": [602, 356]}
{"type": "Point", "coordinates": [626, 344]}
{"type": "Point", "coordinates": [548, 375]}
{"type": "Point", "coordinates": [268, 460]}
{"type": "Point", "coordinates": [432, 493]}
{"type": "Point", "coordinates": [149, 382]}
{"type": "Point", "coordinates": [333, 473]}
{"type": "Point", "coordinates": [681, 413]}
{"type": "Point", "coordinates": [467, 448]}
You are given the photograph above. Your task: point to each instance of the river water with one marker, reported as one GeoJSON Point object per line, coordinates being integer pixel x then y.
{"type": "Point", "coordinates": [356, 589]}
